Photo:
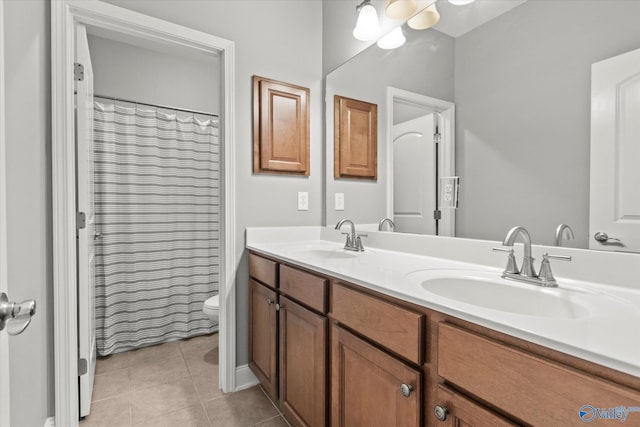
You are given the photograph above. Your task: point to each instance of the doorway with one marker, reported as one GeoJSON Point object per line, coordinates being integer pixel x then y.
{"type": "Point", "coordinates": [65, 15]}
{"type": "Point", "coordinates": [421, 152]}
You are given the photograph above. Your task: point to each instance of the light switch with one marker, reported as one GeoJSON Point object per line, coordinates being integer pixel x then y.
{"type": "Point", "coordinates": [303, 201]}
{"type": "Point", "coordinates": [339, 201]}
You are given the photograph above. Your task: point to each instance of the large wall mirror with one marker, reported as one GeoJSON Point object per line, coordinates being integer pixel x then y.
{"type": "Point", "coordinates": [521, 86]}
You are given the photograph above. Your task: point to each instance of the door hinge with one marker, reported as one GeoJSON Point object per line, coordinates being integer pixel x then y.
{"type": "Point", "coordinates": [81, 220]}
{"type": "Point", "coordinates": [437, 137]}
{"type": "Point", "coordinates": [78, 72]}
{"type": "Point", "coordinates": [82, 367]}
{"type": "Point", "coordinates": [437, 214]}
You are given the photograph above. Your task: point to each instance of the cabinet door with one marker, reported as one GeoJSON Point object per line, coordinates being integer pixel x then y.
{"type": "Point", "coordinates": [355, 139]}
{"type": "Point", "coordinates": [455, 410]}
{"type": "Point", "coordinates": [303, 365]}
{"type": "Point", "coordinates": [367, 385]}
{"type": "Point", "coordinates": [263, 329]}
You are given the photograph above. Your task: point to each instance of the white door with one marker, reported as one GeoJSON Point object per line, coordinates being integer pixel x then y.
{"type": "Point", "coordinates": [615, 151]}
{"type": "Point", "coordinates": [5, 386]}
{"type": "Point", "coordinates": [414, 176]}
{"type": "Point", "coordinates": [86, 235]}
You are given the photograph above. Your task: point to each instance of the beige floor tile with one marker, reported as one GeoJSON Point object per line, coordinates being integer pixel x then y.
{"type": "Point", "coordinates": [273, 422]}
{"type": "Point", "coordinates": [206, 383]}
{"type": "Point", "coordinates": [242, 408]}
{"type": "Point", "coordinates": [193, 416]}
{"type": "Point", "coordinates": [203, 360]}
{"type": "Point", "coordinates": [113, 412]}
{"type": "Point", "coordinates": [162, 399]}
{"type": "Point", "coordinates": [155, 353]}
{"type": "Point", "coordinates": [152, 374]}
{"type": "Point", "coordinates": [114, 362]}
{"type": "Point", "coordinates": [199, 343]}
{"type": "Point", "coordinates": [111, 384]}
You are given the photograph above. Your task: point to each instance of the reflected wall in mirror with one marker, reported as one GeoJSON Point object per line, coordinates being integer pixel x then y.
{"type": "Point", "coordinates": [521, 84]}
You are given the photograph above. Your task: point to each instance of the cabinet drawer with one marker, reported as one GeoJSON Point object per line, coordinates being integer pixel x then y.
{"type": "Point", "coordinates": [304, 287]}
{"type": "Point", "coordinates": [532, 389]}
{"type": "Point", "coordinates": [465, 412]}
{"type": "Point", "coordinates": [263, 270]}
{"type": "Point", "coordinates": [398, 329]}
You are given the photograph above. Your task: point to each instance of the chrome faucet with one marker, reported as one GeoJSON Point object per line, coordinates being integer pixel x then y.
{"type": "Point", "coordinates": [528, 274]}
{"type": "Point", "coordinates": [563, 231]}
{"type": "Point", "coordinates": [527, 260]}
{"type": "Point", "coordinates": [354, 242]}
{"type": "Point", "coordinates": [392, 226]}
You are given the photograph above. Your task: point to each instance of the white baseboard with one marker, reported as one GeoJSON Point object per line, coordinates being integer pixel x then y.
{"type": "Point", "coordinates": [50, 422]}
{"type": "Point", "coordinates": [245, 378]}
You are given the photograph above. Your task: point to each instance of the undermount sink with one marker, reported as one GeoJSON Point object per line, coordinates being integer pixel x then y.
{"type": "Point", "coordinates": [321, 251]}
{"type": "Point", "coordinates": [490, 291]}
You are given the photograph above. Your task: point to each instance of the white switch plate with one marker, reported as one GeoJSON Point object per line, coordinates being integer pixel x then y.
{"type": "Point", "coordinates": [339, 201]}
{"type": "Point", "coordinates": [303, 201]}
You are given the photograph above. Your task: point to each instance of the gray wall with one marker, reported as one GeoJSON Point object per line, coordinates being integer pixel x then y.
{"type": "Point", "coordinates": [141, 74]}
{"type": "Point", "coordinates": [29, 232]}
{"type": "Point", "coordinates": [278, 39]}
{"type": "Point", "coordinates": [424, 65]}
{"type": "Point", "coordinates": [522, 94]}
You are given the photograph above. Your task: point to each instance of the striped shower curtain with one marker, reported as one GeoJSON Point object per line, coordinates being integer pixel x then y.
{"type": "Point", "coordinates": [157, 196]}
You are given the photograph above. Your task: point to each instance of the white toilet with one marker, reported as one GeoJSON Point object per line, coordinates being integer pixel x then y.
{"type": "Point", "coordinates": [211, 308]}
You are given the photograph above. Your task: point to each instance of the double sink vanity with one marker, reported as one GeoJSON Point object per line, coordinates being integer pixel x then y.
{"type": "Point", "coordinates": [421, 330]}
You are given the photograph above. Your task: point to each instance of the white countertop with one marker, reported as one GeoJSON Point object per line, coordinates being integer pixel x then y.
{"type": "Point", "coordinates": [604, 331]}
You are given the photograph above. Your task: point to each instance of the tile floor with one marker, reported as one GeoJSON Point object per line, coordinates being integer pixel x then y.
{"type": "Point", "coordinates": [173, 384]}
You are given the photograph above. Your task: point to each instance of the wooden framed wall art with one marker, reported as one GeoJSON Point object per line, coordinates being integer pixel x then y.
{"type": "Point", "coordinates": [280, 127]}
{"type": "Point", "coordinates": [355, 139]}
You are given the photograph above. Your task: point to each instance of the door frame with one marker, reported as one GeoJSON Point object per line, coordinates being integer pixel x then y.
{"type": "Point", "coordinates": [5, 391]}
{"type": "Point", "coordinates": [447, 153]}
{"type": "Point", "coordinates": [64, 15]}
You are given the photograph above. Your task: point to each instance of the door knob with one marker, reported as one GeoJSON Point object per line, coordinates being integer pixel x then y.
{"type": "Point", "coordinates": [97, 235]}
{"type": "Point", "coordinates": [604, 237]}
{"type": "Point", "coordinates": [16, 316]}
{"type": "Point", "coordinates": [406, 389]}
{"type": "Point", "coordinates": [440, 412]}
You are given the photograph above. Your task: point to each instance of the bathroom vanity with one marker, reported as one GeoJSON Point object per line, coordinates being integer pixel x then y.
{"type": "Point", "coordinates": [380, 338]}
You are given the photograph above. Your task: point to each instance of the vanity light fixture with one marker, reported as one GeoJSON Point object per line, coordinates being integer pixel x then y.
{"type": "Point", "coordinates": [367, 26]}
{"type": "Point", "coordinates": [400, 9]}
{"type": "Point", "coordinates": [392, 40]}
{"type": "Point", "coordinates": [461, 2]}
{"type": "Point", "coordinates": [425, 19]}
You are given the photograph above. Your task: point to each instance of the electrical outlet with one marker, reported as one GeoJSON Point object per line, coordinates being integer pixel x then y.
{"type": "Point", "coordinates": [339, 202]}
{"type": "Point", "coordinates": [303, 201]}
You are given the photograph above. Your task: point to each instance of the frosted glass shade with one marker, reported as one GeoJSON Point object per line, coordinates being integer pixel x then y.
{"type": "Point", "coordinates": [392, 40]}
{"type": "Point", "coordinates": [400, 9]}
{"type": "Point", "coordinates": [461, 2]}
{"type": "Point", "coordinates": [367, 26]}
{"type": "Point", "coordinates": [425, 19]}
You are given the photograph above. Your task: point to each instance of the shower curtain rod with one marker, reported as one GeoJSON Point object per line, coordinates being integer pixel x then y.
{"type": "Point", "coordinates": [167, 107]}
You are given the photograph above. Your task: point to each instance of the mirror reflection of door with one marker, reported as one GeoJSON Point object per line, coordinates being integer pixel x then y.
{"type": "Point", "coordinates": [615, 149]}
{"type": "Point", "coordinates": [414, 175]}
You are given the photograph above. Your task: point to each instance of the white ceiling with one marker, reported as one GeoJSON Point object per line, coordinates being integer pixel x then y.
{"type": "Point", "coordinates": [458, 20]}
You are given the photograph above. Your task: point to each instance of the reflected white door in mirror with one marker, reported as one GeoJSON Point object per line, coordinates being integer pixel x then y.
{"type": "Point", "coordinates": [421, 150]}
{"type": "Point", "coordinates": [615, 149]}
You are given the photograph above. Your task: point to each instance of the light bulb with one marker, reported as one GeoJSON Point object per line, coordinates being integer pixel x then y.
{"type": "Point", "coordinates": [392, 40]}
{"type": "Point", "coordinates": [367, 26]}
{"type": "Point", "coordinates": [400, 9]}
{"type": "Point", "coordinates": [425, 19]}
{"type": "Point", "coordinates": [461, 2]}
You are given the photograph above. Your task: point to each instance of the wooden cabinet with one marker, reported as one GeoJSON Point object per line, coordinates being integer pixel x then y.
{"type": "Point", "coordinates": [367, 385]}
{"type": "Point", "coordinates": [393, 362]}
{"type": "Point", "coordinates": [280, 127]}
{"type": "Point", "coordinates": [303, 364]}
{"type": "Point", "coordinates": [355, 139]}
{"type": "Point", "coordinates": [263, 337]}
{"type": "Point", "coordinates": [288, 339]}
